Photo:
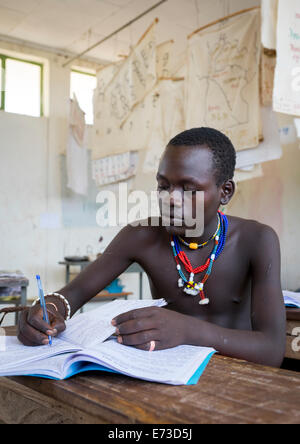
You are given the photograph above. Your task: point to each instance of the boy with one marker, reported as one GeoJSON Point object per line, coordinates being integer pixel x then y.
{"type": "Point", "coordinates": [239, 311]}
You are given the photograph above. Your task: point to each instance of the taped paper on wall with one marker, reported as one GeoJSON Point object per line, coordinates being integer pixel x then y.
{"type": "Point", "coordinates": [286, 97]}
{"type": "Point", "coordinates": [77, 121]}
{"type": "Point", "coordinates": [223, 78]}
{"type": "Point", "coordinates": [115, 101]}
{"type": "Point", "coordinates": [269, 149]}
{"type": "Point", "coordinates": [77, 166]}
{"type": "Point", "coordinates": [114, 168]}
{"type": "Point", "coordinates": [269, 9]}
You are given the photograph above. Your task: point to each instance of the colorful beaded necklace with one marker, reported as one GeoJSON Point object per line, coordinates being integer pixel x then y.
{"type": "Point", "coordinates": [194, 245]}
{"type": "Point", "coordinates": [190, 286]}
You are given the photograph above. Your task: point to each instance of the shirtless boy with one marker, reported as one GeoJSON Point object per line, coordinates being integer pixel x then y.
{"type": "Point", "coordinates": [240, 310]}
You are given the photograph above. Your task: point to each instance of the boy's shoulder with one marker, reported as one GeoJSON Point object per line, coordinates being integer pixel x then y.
{"type": "Point", "coordinates": [249, 230]}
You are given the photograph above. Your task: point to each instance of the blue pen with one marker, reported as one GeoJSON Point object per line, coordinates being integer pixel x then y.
{"type": "Point", "coordinates": [43, 304]}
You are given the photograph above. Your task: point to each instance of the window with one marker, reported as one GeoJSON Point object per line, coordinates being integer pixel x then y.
{"type": "Point", "coordinates": [21, 86]}
{"type": "Point", "coordinates": [83, 85]}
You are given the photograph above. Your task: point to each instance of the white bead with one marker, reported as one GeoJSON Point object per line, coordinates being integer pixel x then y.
{"type": "Point", "coordinates": [178, 267]}
{"type": "Point", "coordinates": [213, 257]}
{"type": "Point", "coordinates": [204, 301]}
{"type": "Point", "coordinates": [172, 244]}
{"type": "Point", "coordinates": [201, 286]}
{"type": "Point", "coordinates": [180, 283]}
{"type": "Point", "coordinates": [217, 238]}
{"type": "Point", "coordinates": [192, 276]}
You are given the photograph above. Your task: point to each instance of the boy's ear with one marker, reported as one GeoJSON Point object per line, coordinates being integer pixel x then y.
{"type": "Point", "coordinates": [227, 191]}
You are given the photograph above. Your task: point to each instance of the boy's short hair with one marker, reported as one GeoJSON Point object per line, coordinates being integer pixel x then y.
{"type": "Point", "coordinates": [224, 155]}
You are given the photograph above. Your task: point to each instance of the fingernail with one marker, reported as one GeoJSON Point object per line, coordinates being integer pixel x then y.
{"type": "Point", "coordinates": [50, 332]}
{"type": "Point", "coordinates": [120, 340]}
{"type": "Point", "coordinates": [117, 331]}
{"type": "Point", "coordinates": [45, 342]}
{"type": "Point", "coordinates": [114, 322]}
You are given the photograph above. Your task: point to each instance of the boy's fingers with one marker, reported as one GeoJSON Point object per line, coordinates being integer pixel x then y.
{"type": "Point", "coordinates": [27, 334]}
{"type": "Point", "coordinates": [132, 315]}
{"type": "Point", "coordinates": [142, 338]}
{"type": "Point", "coordinates": [36, 321]}
{"type": "Point", "coordinates": [135, 326]}
{"type": "Point", "coordinates": [58, 324]}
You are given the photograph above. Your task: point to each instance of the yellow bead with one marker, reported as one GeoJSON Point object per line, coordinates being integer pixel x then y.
{"type": "Point", "coordinates": [193, 246]}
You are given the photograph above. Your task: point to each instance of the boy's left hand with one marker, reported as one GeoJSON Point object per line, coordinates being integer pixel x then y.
{"type": "Point", "coordinates": [139, 327]}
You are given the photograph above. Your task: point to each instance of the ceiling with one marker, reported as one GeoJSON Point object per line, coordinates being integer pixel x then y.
{"type": "Point", "coordinates": [73, 26]}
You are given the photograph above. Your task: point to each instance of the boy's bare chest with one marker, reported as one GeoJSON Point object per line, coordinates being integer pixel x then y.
{"type": "Point", "coordinates": [228, 287]}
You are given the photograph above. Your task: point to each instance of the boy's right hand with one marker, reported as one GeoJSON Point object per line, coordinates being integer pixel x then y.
{"type": "Point", "coordinates": [34, 331]}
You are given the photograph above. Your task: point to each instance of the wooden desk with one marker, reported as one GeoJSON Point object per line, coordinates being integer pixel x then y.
{"type": "Point", "coordinates": [229, 391]}
{"type": "Point", "coordinates": [293, 331]}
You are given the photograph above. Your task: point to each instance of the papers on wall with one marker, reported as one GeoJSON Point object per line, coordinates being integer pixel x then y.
{"type": "Point", "coordinates": [297, 125]}
{"type": "Point", "coordinates": [133, 79]}
{"type": "Point", "coordinates": [115, 168]}
{"type": "Point", "coordinates": [269, 149]}
{"type": "Point", "coordinates": [77, 155]}
{"type": "Point", "coordinates": [288, 134]}
{"type": "Point", "coordinates": [287, 74]}
{"type": "Point", "coordinates": [267, 73]}
{"type": "Point", "coordinates": [167, 120]}
{"type": "Point", "coordinates": [77, 121]}
{"type": "Point", "coordinates": [269, 10]}
{"type": "Point", "coordinates": [223, 78]}
{"type": "Point", "coordinates": [165, 59]}
{"type": "Point", "coordinates": [248, 173]}
{"type": "Point", "coordinates": [77, 166]}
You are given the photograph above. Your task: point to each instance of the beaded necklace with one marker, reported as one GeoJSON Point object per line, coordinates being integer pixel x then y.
{"type": "Point", "coordinates": [194, 245]}
{"type": "Point", "coordinates": [190, 286]}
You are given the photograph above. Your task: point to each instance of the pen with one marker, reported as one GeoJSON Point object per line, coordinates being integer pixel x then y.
{"type": "Point", "coordinates": [43, 304]}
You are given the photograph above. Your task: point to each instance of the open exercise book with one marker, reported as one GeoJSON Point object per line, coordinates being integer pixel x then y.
{"type": "Point", "coordinates": [87, 344]}
{"type": "Point", "coordinates": [291, 299]}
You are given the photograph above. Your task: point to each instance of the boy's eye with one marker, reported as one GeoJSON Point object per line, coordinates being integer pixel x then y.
{"type": "Point", "coordinates": [162, 187]}
{"type": "Point", "coordinates": [192, 190]}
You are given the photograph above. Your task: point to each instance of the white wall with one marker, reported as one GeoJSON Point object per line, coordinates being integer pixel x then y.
{"type": "Point", "coordinates": [30, 185]}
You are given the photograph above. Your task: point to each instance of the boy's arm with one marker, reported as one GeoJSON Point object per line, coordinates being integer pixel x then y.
{"type": "Point", "coordinates": [265, 344]}
{"type": "Point", "coordinates": [33, 330]}
{"type": "Point", "coordinates": [117, 257]}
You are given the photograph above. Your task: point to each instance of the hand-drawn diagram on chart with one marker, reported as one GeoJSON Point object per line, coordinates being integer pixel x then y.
{"type": "Point", "coordinates": [223, 79]}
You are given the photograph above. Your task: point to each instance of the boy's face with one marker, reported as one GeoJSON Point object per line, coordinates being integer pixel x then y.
{"type": "Point", "coordinates": [187, 169]}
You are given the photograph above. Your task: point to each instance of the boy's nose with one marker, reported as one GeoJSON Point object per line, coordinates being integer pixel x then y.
{"type": "Point", "coordinates": [176, 198]}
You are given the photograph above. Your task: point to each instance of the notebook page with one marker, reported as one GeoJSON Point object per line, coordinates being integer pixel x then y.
{"type": "Point", "coordinates": [52, 367]}
{"type": "Point", "coordinates": [171, 366]}
{"type": "Point", "coordinates": [18, 355]}
{"type": "Point", "coordinates": [291, 298]}
{"type": "Point", "coordinates": [95, 326]}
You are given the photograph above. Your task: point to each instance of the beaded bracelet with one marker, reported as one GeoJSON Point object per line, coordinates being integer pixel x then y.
{"type": "Point", "coordinates": [63, 299]}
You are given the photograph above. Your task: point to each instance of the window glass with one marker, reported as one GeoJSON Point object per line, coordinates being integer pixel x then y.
{"type": "Point", "coordinates": [22, 87]}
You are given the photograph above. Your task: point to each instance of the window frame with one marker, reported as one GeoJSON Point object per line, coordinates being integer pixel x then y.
{"type": "Point", "coordinates": [3, 58]}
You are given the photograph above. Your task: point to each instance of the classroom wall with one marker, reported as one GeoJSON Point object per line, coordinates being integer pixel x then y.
{"type": "Point", "coordinates": [274, 199]}
{"type": "Point", "coordinates": [30, 183]}
{"type": "Point", "coordinates": [33, 238]}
